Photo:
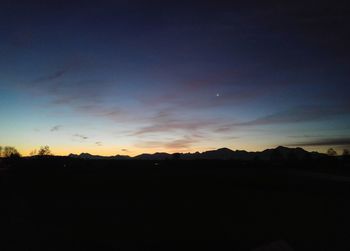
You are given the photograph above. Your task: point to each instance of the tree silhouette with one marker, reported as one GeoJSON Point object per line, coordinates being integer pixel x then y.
{"type": "Point", "coordinates": [10, 152]}
{"type": "Point", "coordinates": [33, 153]}
{"type": "Point", "coordinates": [44, 151]}
{"type": "Point", "coordinates": [331, 152]}
{"type": "Point", "coordinates": [346, 155]}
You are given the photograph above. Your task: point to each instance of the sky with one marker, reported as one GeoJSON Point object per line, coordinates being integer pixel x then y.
{"type": "Point", "coordinates": [129, 77]}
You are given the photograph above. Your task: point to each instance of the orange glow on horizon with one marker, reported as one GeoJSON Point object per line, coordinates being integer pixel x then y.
{"type": "Point", "coordinates": [110, 151]}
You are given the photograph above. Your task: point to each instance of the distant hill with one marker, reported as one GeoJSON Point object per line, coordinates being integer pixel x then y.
{"type": "Point", "coordinates": [154, 156]}
{"type": "Point", "coordinates": [90, 156]}
{"type": "Point", "coordinates": [282, 152]}
{"type": "Point", "coordinates": [278, 153]}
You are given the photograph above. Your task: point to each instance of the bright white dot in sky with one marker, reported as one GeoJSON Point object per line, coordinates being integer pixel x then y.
{"type": "Point", "coordinates": [217, 95]}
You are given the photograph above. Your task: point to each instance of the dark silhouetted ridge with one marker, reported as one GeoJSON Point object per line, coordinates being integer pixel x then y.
{"type": "Point", "coordinates": [90, 156]}
{"type": "Point", "coordinates": [278, 153]}
{"type": "Point", "coordinates": [155, 156]}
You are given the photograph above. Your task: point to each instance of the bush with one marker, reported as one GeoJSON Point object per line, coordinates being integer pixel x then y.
{"type": "Point", "coordinates": [44, 151]}
{"type": "Point", "coordinates": [10, 152]}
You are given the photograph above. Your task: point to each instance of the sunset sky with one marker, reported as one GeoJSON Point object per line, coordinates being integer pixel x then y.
{"type": "Point", "coordinates": [126, 77]}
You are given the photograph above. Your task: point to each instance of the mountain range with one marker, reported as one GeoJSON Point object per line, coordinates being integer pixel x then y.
{"type": "Point", "coordinates": [280, 152]}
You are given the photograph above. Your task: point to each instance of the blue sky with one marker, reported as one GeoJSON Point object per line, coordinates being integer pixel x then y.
{"type": "Point", "coordinates": [125, 77]}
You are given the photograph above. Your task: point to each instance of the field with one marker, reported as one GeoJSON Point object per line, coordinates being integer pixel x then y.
{"type": "Point", "coordinates": [72, 204]}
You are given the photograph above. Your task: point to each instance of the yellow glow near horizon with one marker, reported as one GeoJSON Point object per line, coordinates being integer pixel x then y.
{"type": "Point", "coordinates": [111, 151]}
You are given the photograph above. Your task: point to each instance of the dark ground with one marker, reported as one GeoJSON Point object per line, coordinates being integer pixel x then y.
{"type": "Point", "coordinates": [72, 204]}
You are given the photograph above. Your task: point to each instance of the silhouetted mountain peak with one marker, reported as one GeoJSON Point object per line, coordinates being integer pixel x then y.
{"type": "Point", "coordinates": [85, 155]}
{"type": "Point", "coordinates": [154, 156]}
{"type": "Point", "coordinates": [282, 148]}
{"type": "Point", "coordinates": [224, 150]}
{"type": "Point", "coordinates": [221, 153]}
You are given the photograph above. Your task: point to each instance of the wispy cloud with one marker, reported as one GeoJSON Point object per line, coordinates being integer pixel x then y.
{"type": "Point", "coordinates": [183, 143]}
{"type": "Point", "coordinates": [52, 76]}
{"type": "Point", "coordinates": [171, 126]}
{"type": "Point", "coordinates": [56, 128]}
{"type": "Point", "coordinates": [305, 136]}
{"type": "Point", "coordinates": [99, 110]}
{"type": "Point", "coordinates": [324, 142]}
{"type": "Point", "coordinates": [298, 115]}
{"type": "Point", "coordinates": [70, 66]}
{"type": "Point", "coordinates": [80, 136]}
{"type": "Point", "coordinates": [65, 87]}
{"type": "Point", "coordinates": [169, 121]}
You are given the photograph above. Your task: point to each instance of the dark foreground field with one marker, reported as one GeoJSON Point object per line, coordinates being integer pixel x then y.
{"type": "Point", "coordinates": [67, 204]}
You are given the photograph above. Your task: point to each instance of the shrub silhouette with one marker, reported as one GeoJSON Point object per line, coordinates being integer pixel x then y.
{"type": "Point", "coordinates": [33, 153]}
{"type": "Point", "coordinates": [44, 151]}
{"type": "Point", "coordinates": [331, 152]}
{"type": "Point", "coordinates": [10, 152]}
